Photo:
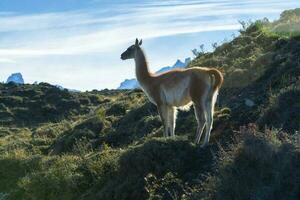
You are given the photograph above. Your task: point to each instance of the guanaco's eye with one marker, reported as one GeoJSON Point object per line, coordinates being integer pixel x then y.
{"type": "Point", "coordinates": [131, 48]}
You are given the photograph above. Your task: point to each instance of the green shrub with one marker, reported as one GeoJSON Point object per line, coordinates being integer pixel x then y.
{"type": "Point", "coordinates": [158, 157]}
{"type": "Point", "coordinates": [88, 129]}
{"type": "Point", "coordinates": [168, 187]}
{"type": "Point", "coordinates": [133, 125]}
{"type": "Point", "coordinates": [285, 113]}
{"type": "Point", "coordinates": [13, 166]}
{"type": "Point", "coordinates": [51, 130]}
{"type": "Point", "coordinates": [67, 177]}
{"type": "Point", "coordinates": [58, 178]}
{"type": "Point", "coordinates": [117, 109]}
{"type": "Point", "coordinates": [257, 166]}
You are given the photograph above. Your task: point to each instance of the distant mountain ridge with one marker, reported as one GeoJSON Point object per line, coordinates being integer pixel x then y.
{"type": "Point", "coordinates": [129, 84]}
{"type": "Point", "coordinates": [18, 79]}
{"type": "Point", "coordinates": [15, 78]}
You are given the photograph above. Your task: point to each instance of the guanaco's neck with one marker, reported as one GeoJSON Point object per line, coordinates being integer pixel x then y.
{"type": "Point", "coordinates": [141, 67]}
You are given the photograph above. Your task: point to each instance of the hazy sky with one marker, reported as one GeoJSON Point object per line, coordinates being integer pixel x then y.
{"type": "Point", "coordinates": [77, 43]}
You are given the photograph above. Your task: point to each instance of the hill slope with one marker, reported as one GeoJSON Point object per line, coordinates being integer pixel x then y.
{"type": "Point", "coordinates": [107, 144]}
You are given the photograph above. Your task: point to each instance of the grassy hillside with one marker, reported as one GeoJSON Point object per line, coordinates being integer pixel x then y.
{"type": "Point", "coordinates": [261, 66]}
{"type": "Point", "coordinates": [30, 105]}
{"type": "Point", "coordinates": [108, 144]}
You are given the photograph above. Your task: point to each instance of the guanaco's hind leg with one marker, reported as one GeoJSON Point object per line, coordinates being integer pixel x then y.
{"type": "Point", "coordinates": [209, 122]}
{"type": "Point", "coordinates": [210, 105]}
{"type": "Point", "coordinates": [201, 120]}
{"type": "Point", "coordinates": [172, 113]}
{"type": "Point", "coordinates": [163, 111]}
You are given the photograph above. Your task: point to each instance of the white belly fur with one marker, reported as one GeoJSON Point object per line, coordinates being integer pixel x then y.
{"type": "Point", "coordinates": [177, 95]}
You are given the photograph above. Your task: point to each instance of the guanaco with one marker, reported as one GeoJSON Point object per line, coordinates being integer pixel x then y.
{"type": "Point", "coordinates": [178, 88]}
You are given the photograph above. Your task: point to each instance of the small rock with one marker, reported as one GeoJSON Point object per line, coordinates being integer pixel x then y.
{"type": "Point", "coordinates": [3, 196]}
{"type": "Point", "coordinates": [249, 103]}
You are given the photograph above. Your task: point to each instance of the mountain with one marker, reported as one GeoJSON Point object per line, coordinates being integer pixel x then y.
{"type": "Point", "coordinates": [178, 64]}
{"type": "Point", "coordinates": [132, 83]}
{"type": "Point", "coordinates": [18, 78]}
{"type": "Point", "coordinates": [129, 84]}
{"type": "Point", "coordinates": [63, 88]}
{"type": "Point", "coordinates": [15, 78]}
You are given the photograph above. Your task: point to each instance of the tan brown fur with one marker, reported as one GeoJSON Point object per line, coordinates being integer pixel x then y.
{"type": "Point", "coordinates": [177, 88]}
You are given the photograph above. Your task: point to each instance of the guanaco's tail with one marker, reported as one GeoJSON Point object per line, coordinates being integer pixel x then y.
{"type": "Point", "coordinates": [217, 81]}
{"type": "Point", "coordinates": [218, 78]}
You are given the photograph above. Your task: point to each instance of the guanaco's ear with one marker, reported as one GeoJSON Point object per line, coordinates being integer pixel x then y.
{"type": "Point", "coordinates": [141, 42]}
{"type": "Point", "coordinates": [136, 42]}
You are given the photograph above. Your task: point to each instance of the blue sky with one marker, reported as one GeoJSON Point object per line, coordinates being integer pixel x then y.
{"type": "Point", "coordinates": [77, 43]}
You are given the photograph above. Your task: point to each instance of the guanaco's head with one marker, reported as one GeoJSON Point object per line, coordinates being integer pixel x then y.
{"type": "Point", "coordinates": [131, 51]}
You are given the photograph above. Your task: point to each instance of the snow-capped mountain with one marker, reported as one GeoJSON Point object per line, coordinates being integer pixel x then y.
{"type": "Point", "coordinates": [129, 84]}
{"type": "Point", "coordinates": [16, 78]}
{"type": "Point", "coordinates": [178, 64]}
{"type": "Point", "coordinates": [132, 83]}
